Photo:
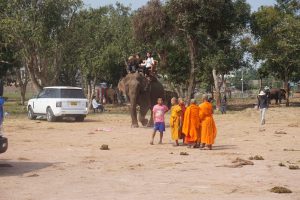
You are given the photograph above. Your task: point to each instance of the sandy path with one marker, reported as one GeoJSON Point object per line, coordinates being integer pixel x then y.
{"type": "Point", "coordinates": [52, 161]}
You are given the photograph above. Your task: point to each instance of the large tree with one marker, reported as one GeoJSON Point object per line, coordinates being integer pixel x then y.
{"type": "Point", "coordinates": [277, 30]}
{"type": "Point", "coordinates": [192, 26]}
{"type": "Point", "coordinates": [97, 46]}
{"type": "Point", "coordinates": [34, 29]}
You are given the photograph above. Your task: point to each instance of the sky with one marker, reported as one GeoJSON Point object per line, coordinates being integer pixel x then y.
{"type": "Point", "coordinates": [135, 4]}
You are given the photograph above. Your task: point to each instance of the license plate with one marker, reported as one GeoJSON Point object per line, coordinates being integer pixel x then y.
{"type": "Point", "coordinates": [73, 103]}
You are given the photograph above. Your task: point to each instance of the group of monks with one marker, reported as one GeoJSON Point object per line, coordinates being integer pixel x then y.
{"type": "Point", "coordinates": [193, 124]}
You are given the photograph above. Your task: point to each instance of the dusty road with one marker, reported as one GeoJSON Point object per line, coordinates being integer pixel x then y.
{"type": "Point", "coordinates": [62, 161]}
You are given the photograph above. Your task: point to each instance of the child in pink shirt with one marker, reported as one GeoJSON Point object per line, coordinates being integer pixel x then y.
{"type": "Point", "coordinates": [159, 111]}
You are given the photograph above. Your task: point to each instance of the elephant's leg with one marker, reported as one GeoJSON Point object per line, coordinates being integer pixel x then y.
{"type": "Point", "coordinates": [151, 121]}
{"type": "Point", "coordinates": [134, 121]}
{"type": "Point", "coordinates": [142, 116]}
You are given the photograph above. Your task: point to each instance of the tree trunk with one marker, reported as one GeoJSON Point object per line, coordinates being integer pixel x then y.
{"type": "Point", "coordinates": [192, 79]}
{"type": "Point", "coordinates": [287, 89]}
{"type": "Point", "coordinates": [31, 71]}
{"type": "Point", "coordinates": [217, 88]}
{"type": "Point", "coordinates": [22, 81]}
{"type": "Point", "coordinates": [91, 91]}
{"type": "Point", "coordinates": [260, 84]}
{"type": "Point", "coordinates": [23, 95]}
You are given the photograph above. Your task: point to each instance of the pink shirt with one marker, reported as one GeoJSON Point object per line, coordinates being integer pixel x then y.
{"type": "Point", "coordinates": [159, 113]}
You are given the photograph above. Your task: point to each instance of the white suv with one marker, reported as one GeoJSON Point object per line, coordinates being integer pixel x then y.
{"type": "Point", "coordinates": [59, 102]}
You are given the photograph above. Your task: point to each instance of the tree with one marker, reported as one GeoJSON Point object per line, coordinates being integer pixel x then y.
{"type": "Point", "coordinates": [98, 43]}
{"type": "Point", "coordinates": [209, 28]}
{"type": "Point", "coordinates": [34, 29]}
{"type": "Point", "coordinates": [277, 30]}
{"type": "Point", "coordinates": [194, 27]}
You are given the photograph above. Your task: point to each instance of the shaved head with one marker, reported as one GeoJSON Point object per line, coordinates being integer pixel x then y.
{"type": "Point", "coordinates": [174, 101]}
{"type": "Point", "coordinates": [193, 101]}
{"type": "Point", "coordinates": [180, 101]}
{"type": "Point", "coordinates": [205, 97]}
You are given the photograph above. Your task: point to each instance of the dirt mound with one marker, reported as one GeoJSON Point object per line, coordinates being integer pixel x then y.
{"type": "Point", "coordinates": [257, 157]}
{"type": "Point", "coordinates": [238, 163]}
{"type": "Point", "coordinates": [280, 132]}
{"type": "Point", "coordinates": [294, 167]}
{"type": "Point", "coordinates": [104, 147]}
{"type": "Point", "coordinates": [184, 153]}
{"type": "Point", "coordinates": [280, 190]}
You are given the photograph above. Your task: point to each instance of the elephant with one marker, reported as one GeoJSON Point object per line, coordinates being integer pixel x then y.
{"type": "Point", "coordinates": [111, 96]}
{"type": "Point", "coordinates": [143, 93]}
{"type": "Point", "coordinates": [277, 94]}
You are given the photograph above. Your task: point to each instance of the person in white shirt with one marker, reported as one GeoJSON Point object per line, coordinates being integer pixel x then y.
{"type": "Point", "coordinates": [148, 64]}
{"type": "Point", "coordinates": [96, 105]}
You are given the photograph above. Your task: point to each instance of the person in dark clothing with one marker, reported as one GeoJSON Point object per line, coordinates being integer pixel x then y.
{"type": "Point", "coordinates": [262, 105]}
{"type": "Point", "coordinates": [224, 105]}
{"type": "Point", "coordinates": [131, 65]}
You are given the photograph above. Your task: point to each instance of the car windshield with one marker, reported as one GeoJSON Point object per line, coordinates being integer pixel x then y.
{"type": "Point", "coordinates": [72, 93]}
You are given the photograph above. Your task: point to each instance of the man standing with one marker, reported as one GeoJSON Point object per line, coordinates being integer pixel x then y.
{"type": "Point", "coordinates": [191, 125]}
{"type": "Point", "coordinates": [208, 126]}
{"type": "Point", "coordinates": [263, 106]}
{"type": "Point", "coordinates": [176, 121]}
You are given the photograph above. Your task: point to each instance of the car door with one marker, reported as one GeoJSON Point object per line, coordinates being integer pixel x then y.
{"type": "Point", "coordinates": [39, 102]}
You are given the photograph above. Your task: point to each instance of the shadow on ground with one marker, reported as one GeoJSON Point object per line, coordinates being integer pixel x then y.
{"type": "Point", "coordinates": [239, 107]}
{"type": "Point", "coordinates": [224, 147]}
{"type": "Point", "coordinates": [15, 168]}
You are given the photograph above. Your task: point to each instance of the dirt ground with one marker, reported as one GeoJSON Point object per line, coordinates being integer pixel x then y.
{"type": "Point", "coordinates": [63, 160]}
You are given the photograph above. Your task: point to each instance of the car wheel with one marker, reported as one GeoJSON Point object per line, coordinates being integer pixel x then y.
{"type": "Point", "coordinates": [30, 114]}
{"type": "Point", "coordinates": [50, 116]}
{"type": "Point", "coordinates": [79, 119]}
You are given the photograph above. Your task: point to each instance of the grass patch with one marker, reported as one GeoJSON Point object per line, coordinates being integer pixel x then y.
{"type": "Point", "coordinates": [12, 107]}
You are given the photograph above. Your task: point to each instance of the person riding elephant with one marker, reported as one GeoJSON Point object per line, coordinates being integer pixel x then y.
{"type": "Point", "coordinates": [140, 92]}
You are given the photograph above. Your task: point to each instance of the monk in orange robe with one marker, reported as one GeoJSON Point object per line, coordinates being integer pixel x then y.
{"type": "Point", "coordinates": [208, 126]}
{"type": "Point", "coordinates": [191, 125]}
{"type": "Point", "coordinates": [181, 103]}
{"type": "Point", "coordinates": [176, 121]}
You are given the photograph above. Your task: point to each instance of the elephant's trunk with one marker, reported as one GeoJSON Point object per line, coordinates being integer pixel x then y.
{"type": "Point", "coordinates": [133, 104]}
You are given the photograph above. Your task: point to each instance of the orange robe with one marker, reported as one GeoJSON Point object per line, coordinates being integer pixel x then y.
{"type": "Point", "coordinates": [191, 124]}
{"type": "Point", "coordinates": [208, 126]}
{"type": "Point", "coordinates": [175, 122]}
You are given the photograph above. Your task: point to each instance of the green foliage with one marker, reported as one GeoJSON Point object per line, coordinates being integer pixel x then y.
{"type": "Point", "coordinates": [35, 31]}
{"type": "Point", "coordinates": [99, 43]}
{"type": "Point", "coordinates": [277, 30]}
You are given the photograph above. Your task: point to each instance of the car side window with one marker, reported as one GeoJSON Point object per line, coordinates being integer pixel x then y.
{"type": "Point", "coordinates": [42, 94]}
{"type": "Point", "coordinates": [53, 93]}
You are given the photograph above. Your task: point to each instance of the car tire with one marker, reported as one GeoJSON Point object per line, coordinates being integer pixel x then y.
{"type": "Point", "coordinates": [30, 114]}
{"type": "Point", "coordinates": [50, 116]}
{"type": "Point", "coordinates": [3, 144]}
{"type": "Point", "coordinates": [79, 119]}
